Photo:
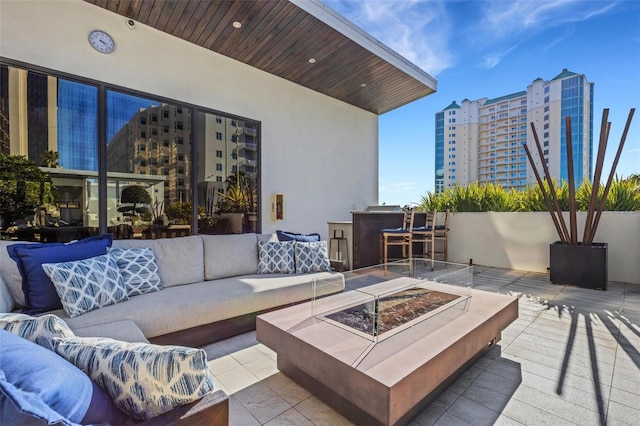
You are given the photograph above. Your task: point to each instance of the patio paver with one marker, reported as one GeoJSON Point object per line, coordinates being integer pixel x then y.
{"type": "Point", "coordinates": [572, 357]}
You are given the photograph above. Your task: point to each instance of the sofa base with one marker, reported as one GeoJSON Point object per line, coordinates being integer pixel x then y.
{"type": "Point", "coordinates": [205, 334]}
{"type": "Point", "coordinates": [212, 409]}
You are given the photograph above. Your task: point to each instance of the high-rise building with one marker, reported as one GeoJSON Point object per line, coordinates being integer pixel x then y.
{"type": "Point", "coordinates": [482, 140]}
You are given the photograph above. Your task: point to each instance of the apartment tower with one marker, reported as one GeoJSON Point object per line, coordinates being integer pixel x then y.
{"type": "Point", "coordinates": [482, 140]}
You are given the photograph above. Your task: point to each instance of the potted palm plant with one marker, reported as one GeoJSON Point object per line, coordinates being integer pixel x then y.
{"type": "Point", "coordinates": [238, 202]}
{"type": "Point", "coordinates": [582, 263]}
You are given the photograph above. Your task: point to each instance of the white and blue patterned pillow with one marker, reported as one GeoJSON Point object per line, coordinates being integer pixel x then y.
{"type": "Point", "coordinates": [144, 380]}
{"type": "Point", "coordinates": [312, 257]}
{"type": "Point", "coordinates": [276, 257]}
{"type": "Point", "coordinates": [85, 285]}
{"type": "Point", "coordinates": [39, 330]}
{"type": "Point", "coordinates": [138, 268]}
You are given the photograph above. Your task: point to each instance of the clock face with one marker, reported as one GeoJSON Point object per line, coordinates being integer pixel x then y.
{"type": "Point", "coordinates": [101, 41]}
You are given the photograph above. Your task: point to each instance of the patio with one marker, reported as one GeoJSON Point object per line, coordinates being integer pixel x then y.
{"type": "Point", "coordinates": [572, 357]}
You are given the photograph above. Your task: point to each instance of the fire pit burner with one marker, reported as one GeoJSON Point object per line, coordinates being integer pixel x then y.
{"type": "Point", "coordinates": [391, 311]}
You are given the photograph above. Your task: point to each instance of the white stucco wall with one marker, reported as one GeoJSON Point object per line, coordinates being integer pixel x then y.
{"type": "Point", "coordinates": [521, 241]}
{"type": "Point", "coordinates": [322, 154]}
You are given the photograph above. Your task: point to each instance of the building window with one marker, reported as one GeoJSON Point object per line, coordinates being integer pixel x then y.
{"type": "Point", "coordinates": [219, 154]}
{"type": "Point", "coordinates": [219, 167]}
{"type": "Point", "coordinates": [73, 109]}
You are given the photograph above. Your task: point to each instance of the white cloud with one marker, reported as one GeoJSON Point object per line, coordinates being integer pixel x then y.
{"type": "Point", "coordinates": [503, 19]}
{"type": "Point", "coordinates": [492, 59]}
{"type": "Point", "coordinates": [418, 30]}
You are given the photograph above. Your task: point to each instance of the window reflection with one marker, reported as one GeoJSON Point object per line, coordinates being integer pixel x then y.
{"type": "Point", "coordinates": [227, 174]}
{"type": "Point", "coordinates": [148, 143]}
{"type": "Point", "coordinates": [53, 123]}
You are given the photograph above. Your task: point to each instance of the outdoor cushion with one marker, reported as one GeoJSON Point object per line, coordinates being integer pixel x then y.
{"type": "Point", "coordinates": [10, 272]}
{"type": "Point", "coordinates": [180, 260]}
{"type": "Point", "coordinates": [312, 257]}
{"type": "Point", "coordinates": [35, 329]}
{"type": "Point", "coordinates": [138, 268]}
{"type": "Point", "coordinates": [292, 236]}
{"type": "Point", "coordinates": [39, 292]}
{"type": "Point", "coordinates": [395, 230]}
{"type": "Point", "coordinates": [6, 300]}
{"type": "Point", "coordinates": [85, 285]}
{"type": "Point", "coordinates": [43, 384]}
{"type": "Point", "coordinates": [240, 249]}
{"type": "Point", "coordinates": [276, 257]}
{"type": "Point", "coordinates": [144, 380]}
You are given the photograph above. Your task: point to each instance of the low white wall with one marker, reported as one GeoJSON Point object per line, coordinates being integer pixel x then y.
{"type": "Point", "coordinates": [521, 241]}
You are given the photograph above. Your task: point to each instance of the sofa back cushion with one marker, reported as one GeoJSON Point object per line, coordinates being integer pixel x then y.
{"type": "Point", "coordinates": [7, 302]}
{"type": "Point", "coordinates": [230, 255]}
{"type": "Point", "coordinates": [10, 273]}
{"type": "Point", "coordinates": [180, 260]}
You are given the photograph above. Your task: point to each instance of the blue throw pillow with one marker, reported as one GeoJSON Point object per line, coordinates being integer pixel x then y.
{"type": "Point", "coordinates": [292, 236]}
{"type": "Point", "coordinates": [39, 293]}
{"type": "Point", "coordinates": [37, 383]}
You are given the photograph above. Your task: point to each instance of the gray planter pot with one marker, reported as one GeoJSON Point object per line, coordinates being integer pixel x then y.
{"type": "Point", "coordinates": [582, 266]}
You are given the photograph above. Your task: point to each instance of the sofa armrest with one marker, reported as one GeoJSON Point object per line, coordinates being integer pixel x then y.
{"type": "Point", "coordinates": [212, 409]}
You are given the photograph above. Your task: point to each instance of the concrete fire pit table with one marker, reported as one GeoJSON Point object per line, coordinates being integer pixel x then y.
{"type": "Point", "coordinates": [351, 351]}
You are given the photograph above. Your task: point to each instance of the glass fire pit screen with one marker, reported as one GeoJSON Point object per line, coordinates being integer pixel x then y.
{"type": "Point", "coordinates": [389, 311]}
{"type": "Point", "coordinates": [381, 301]}
{"type": "Point", "coordinates": [386, 307]}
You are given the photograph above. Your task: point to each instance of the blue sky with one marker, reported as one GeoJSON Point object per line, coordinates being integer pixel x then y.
{"type": "Point", "coordinates": [491, 48]}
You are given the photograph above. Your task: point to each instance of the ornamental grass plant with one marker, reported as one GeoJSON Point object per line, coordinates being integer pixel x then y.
{"type": "Point", "coordinates": [624, 195]}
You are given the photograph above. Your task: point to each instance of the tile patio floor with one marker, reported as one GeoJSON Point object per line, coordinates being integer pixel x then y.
{"type": "Point", "coordinates": [572, 357]}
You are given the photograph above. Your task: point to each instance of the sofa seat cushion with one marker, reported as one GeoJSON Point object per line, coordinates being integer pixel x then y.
{"type": "Point", "coordinates": [180, 260]}
{"type": "Point", "coordinates": [125, 330]}
{"type": "Point", "coordinates": [180, 307]}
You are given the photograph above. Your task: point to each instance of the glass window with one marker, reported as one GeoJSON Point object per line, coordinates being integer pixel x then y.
{"type": "Point", "coordinates": [59, 127]}
{"type": "Point", "coordinates": [227, 173]}
{"type": "Point", "coordinates": [144, 197]}
{"type": "Point", "coordinates": [149, 164]}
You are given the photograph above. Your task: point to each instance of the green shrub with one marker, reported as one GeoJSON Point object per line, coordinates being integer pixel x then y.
{"type": "Point", "coordinates": [624, 195]}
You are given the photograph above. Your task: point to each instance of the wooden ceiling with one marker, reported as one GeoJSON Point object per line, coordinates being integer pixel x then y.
{"type": "Point", "coordinates": [279, 37]}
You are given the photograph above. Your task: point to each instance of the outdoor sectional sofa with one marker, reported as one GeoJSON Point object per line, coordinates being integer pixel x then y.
{"type": "Point", "coordinates": [211, 290]}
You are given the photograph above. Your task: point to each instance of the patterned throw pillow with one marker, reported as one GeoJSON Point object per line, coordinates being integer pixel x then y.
{"type": "Point", "coordinates": [85, 285]}
{"type": "Point", "coordinates": [138, 268]}
{"type": "Point", "coordinates": [312, 257]}
{"type": "Point", "coordinates": [276, 258]}
{"type": "Point", "coordinates": [35, 329]}
{"type": "Point", "coordinates": [144, 380]}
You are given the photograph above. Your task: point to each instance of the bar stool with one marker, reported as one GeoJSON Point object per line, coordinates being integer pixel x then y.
{"type": "Point", "coordinates": [398, 237]}
{"type": "Point", "coordinates": [426, 234]}
{"type": "Point", "coordinates": [440, 234]}
{"type": "Point", "coordinates": [339, 238]}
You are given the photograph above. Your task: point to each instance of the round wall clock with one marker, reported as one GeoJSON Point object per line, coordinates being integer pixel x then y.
{"type": "Point", "coordinates": [101, 41]}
